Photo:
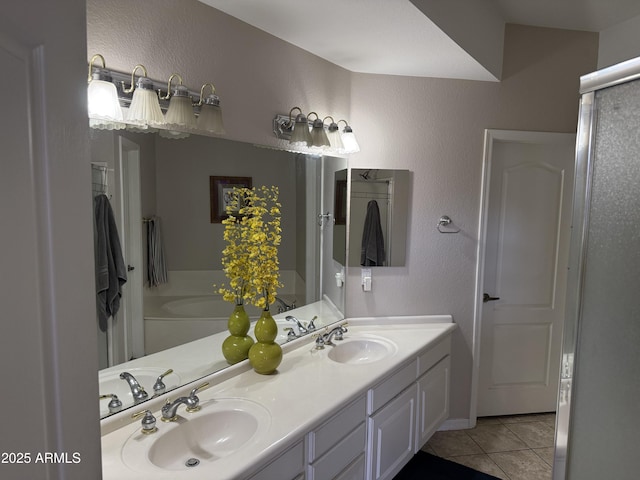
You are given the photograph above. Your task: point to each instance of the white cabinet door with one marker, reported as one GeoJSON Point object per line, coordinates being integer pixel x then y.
{"type": "Point", "coordinates": [433, 401]}
{"type": "Point", "coordinates": [392, 433]}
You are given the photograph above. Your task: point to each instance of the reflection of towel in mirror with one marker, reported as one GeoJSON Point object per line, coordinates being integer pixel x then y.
{"type": "Point", "coordinates": [111, 272]}
{"type": "Point", "coordinates": [156, 268]}
{"type": "Point", "coordinates": [372, 252]}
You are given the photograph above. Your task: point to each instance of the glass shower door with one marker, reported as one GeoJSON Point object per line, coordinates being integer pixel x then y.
{"type": "Point", "coordinates": [598, 418]}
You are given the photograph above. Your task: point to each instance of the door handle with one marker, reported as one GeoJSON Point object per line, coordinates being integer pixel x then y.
{"type": "Point", "coordinates": [130, 268]}
{"type": "Point", "coordinates": [488, 298]}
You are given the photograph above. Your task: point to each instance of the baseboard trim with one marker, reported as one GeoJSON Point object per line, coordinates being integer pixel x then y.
{"type": "Point", "coordinates": [456, 424]}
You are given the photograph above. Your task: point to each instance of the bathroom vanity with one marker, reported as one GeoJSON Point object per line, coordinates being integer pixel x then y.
{"type": "Point", "coordinates": [357, 409]}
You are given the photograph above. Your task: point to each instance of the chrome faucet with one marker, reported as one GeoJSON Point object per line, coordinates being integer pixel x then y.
{"type": "Point", "coordinates": [137, 390]}
{"type": "Point", "coordinates": [192, 403]}
{"type": "Point", "coordinates": [283, 306]}
{"type": "Point", "coordinates": [298, 328]}
{"type": "Point", "coordinates": [326, 339]}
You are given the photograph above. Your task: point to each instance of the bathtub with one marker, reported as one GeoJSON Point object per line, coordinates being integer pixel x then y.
{"type": "Point", "coordinates": [173, 320]}
{"type": "Point", "coordinates": [186, 309]}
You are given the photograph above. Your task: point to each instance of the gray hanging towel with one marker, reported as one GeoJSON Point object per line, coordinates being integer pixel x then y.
{"type": "Point", "coordinates": [372, 252]}
{"type": "Point", "coordinates": [111, 272]}
{"type": "Point", "coordinates": [156, 268]}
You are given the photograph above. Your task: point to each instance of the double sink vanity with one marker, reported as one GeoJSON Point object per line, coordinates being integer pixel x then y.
{"type": "Point", "coordinates": [359, 408]}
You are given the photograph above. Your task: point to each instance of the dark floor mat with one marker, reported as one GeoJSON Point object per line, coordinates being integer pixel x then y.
{"type": "Point", "coordinates": [424, 466]}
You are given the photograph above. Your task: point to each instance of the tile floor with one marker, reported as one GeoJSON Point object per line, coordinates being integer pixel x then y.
{"type": "Point", "coordinates": [517, 447]}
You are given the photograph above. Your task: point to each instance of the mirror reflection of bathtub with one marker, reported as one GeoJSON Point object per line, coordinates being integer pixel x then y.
{"type": "Point", "coordinates": [185, 309]}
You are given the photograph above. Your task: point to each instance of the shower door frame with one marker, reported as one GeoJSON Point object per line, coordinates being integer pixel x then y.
{"type": "Point", "coordinates": [585, 142]}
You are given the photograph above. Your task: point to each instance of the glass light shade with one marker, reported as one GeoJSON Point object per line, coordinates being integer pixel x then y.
{"type": "Point", "coordinates": [300, 136]}
{"type": "Point", "coordinates": [180, 112]}
{"type": "Point", "coordinates": [103, 105]}
{"type": "Point", "coordinates": [319, 139]}
{"type": "Point", "coordinates": [210, 118]}
{"type": "Point", "coordinates": [349, 141]}
{"type": "Point", "coordinates": [335, 140]}
{"type": "Point", "coordinates": [144, 110]}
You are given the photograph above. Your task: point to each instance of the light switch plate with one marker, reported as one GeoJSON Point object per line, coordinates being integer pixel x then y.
{"type": "Point", "coordinates": [366, 279]}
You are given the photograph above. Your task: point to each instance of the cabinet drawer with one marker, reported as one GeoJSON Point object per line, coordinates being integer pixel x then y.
{"type": "Point", "coordinates": [289, 465]}
{"type": "Point", "coordinates": [330, 433]}
{"type": "Point", "coordinates": [340, 456]}
{"type": "Point", "coordinates": [392, 386]}
{"type": "Point", "coordinates": [355, 471]}
{"type": "Point", "coordinates": [432, 356]}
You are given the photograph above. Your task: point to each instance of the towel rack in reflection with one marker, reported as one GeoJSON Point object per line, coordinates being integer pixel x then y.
{"type": "Point", "coordinates": [445, 221]}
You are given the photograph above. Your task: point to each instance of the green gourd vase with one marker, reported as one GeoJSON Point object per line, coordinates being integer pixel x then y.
{"type": "Point", "coordinates": [235, 347]}
{"type": "Point", "coordinates": [265, 355]}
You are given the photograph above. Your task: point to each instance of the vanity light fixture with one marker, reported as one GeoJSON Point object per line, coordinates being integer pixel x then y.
{"type": "Point", "coordinates": [142, 103]}
{"type": "Point", "coordinates": [210, 118]}
{"type": "Point", "coordinates": [179, 115]}
{"type": "Point", "coordinates": [349, 139]}
{"type": "Point", "coordinates": [316, 141]}
{"type": "Point", "coordinates": [144, 111]}
{"type": "Point", "coordinates": [102, 98]}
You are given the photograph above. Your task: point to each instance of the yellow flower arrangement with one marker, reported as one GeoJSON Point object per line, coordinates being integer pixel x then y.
{"type": "Point", "coordinates": [253, 235]}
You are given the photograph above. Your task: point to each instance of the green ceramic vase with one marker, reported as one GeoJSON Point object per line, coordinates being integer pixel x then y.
{"type": "Point", "coordinates": [265, 355]}
{"type": "Point", "coordinates": [235, 347]}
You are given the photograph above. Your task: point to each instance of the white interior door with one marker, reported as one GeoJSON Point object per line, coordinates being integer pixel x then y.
{"type": "Point", "coordinates": [527, 207]}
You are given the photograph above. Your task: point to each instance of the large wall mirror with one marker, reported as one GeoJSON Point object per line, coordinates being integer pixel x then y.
{"type": "Point", "coordinates": [168, 183]}
{"type": "Point", "coordinates": [378, 204]}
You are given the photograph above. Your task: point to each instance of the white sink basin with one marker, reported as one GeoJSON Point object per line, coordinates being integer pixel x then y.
{"type": "Point", "coordinates": [361, 350]}
{"type": "Point", "coordinates": [196, 441]}
{"type": "Point", "coordinates": [111, 383]}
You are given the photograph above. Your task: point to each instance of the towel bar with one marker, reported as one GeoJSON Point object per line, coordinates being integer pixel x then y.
{"type": "Point", "coordinates": [445, 221]}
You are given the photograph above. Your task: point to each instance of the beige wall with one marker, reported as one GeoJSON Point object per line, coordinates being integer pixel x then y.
{"type": "Point", "coordinates": [619, 43]}
{"type": "Point", "coordinates": [434, 127]}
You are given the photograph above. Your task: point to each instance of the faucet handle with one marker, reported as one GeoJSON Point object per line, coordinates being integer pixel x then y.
{"type": "Point", "coordinates": [159, 387]}
{"type": "Point", "coordinates": [148, 422]}
{"type": "Point", "coordinates": [115, 405]}
{"type": "Point", "coordinates": [312, 326]}
{"type": "Point", "coordinates": [193, 402]}
{"type": "Point", "coordinates": [319, 341]}
{"type": "Point", "coordinates": [291, 335]}
{"type": "Point", "coordinates": [198, 388]}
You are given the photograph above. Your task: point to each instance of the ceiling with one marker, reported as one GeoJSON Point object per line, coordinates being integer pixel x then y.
{"type": "Point", "coordinates": [396, 37]}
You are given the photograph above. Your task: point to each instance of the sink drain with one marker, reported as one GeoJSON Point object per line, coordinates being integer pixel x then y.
{"type": "Point", "coordinates": [192, 462]}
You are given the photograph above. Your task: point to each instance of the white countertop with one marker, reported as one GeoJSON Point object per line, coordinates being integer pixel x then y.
{"type": "Point", "coordinates": [307, 390]}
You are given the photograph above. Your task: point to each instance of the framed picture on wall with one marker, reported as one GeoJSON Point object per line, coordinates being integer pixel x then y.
{"type": "Point", "coordinates": [220, 192]}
